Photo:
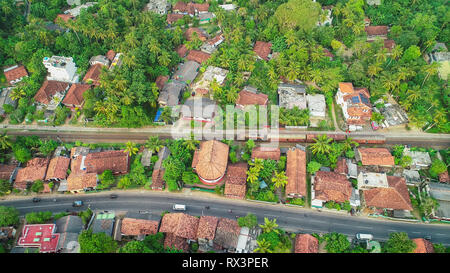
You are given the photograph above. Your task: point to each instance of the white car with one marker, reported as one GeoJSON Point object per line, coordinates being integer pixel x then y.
{"type": "Point", "coordinates": [179, 207]}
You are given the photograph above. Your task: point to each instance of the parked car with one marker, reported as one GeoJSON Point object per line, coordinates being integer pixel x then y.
{"type": "Point", "coordinates": [113, 196]}
{"type": "Point", "coordinates": [77, 203]}
{"type": "Point", "coordinates": [36, 199]}
{"type": "Point", "coordinates": [179, 207]}
{"type": "Point", "coordinates": [364, 236]}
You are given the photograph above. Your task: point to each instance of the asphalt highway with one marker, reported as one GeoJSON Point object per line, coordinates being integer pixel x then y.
{"type": "Point", "coordinates": [289, 218]}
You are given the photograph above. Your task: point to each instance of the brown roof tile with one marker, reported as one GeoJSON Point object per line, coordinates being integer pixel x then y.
{"type": "Point", "coordinates": [266, 153]}
{"type": "Point", "coordinates": [135, 227]}
{"type": "Point", "coordinates": [110, 55]}
{"type": "Point", "coordinates": [15, 73]}
{"type": "Point", "coordinates": [396, 196]}
{"type": "Point", "coordinates": [6, 171]}
{"type": "Point", "coordinates": [306, 243]}
{"type": "Point", "coordinates": [376, 30]}
{"type": "Point", "coordinates": [376, 156]}
{"type": "Point", "coordinates": [76, 182]}
{"type": "Point", "coordinates": [64, 17]}
{"type": "Point", "coordinates": [227, 233]}
{"type": "Point", "coordinates": [173, 17]}
{"type": "Point", "coordinates": [34, 170]}
{"type": "Point", "coordinates": [212, 160]}
{"type": "Point", "coordinates": [48, 89]}
{"type": "Point", "coordinates": [116, 161]}
{"type": "Point", "coordinates": [423, 246]}
{"type": "Point", "coordinates": [93, 74]}
{"type": "Point", "coordinates": [236, 180]}
{"type": "Point", "coordinates": [341, 166]}
{"type": "Point", "coordinates": [201, 34]}
{"type": "Point", "coordinates": [57, 169]}
{"type": "Point", "coordinates": [444, 178]}
{"type": "Point", "coordinates": [262, 49]}
{"type": "Point", "coordinates": [173, 241]}
{"type": "Point", "coordinates": [249, 98]}
{"type": "Point", "coordinates": [180, 224]}
{"type": "Point", "coordinates": [331, 186]}
{"type": "Point", "coordinates": [75, 94]}
{"type": "Point", "coordinates": [207, 227]}
{"type": "Point", "coordinates": [346, 87]}
{"type": "Point", "coordinates": [161, 80]}
{"type": "Point", "coordinates": [198, 56]}
{"type": "Point", "coordinates": [157, 179]}
{"type": "Point", "coordinates": [181, 50]}
{"type": "Point", "coordinates": [296, 172]}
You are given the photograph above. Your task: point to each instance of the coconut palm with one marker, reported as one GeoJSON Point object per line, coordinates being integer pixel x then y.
{"type": "Point", "coordinates": [154, 144]}
{"type": "Point", "coordinates": [131, 148]}
{"type": "Point", "coordinates": [17, 94]}
{"type": "Point", "coordinates": [257, 164]}
{"type": "Point", "coordinates": [430, 69]}
{"type": "Point", "coordinates": [5, 141]}
{"type": "Point", "coordinates": [321, 144]}
{"type": "Point", "coordinates": [252, 175]}
{"type": "Point", "coordinates": [191, 144]}
{"type": "Point", "coordinates": [280, 179]}
{"type": "Point", "coordinates": [263, 246]}
{"type": "Point", "coordinates": [269, 225]}
{"type": "Point", "coordinates": [349, 143]}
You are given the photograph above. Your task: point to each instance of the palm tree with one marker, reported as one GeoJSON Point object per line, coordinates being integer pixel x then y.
{"type": "Point", "coordinates": [252, 175]}
{"type": "Point", "coordinates": [17, 94]}
{"type": "Point", "coordinates": [257, 164]}
{"type": "Point", "coordinates": [131, 148]}
{"type": "Point", "coordinates": [269, 225]}
{"type": "Point", "coordinates": [321, 144]}
{"type": "Point", "coordinates": [430, 69]}
{"type": "Point", "coordinates": [280, 179]}
{"type": "Point", "coordinates": [191, 144]}
{"type": "Point", "coordinates": [5, 141]}
{"type": "Point", "coordinates": [263, 246]}
{"type": "Point", "coordinates": [154, 144]}
{"type": "Point", "coordinates": [349, 143]}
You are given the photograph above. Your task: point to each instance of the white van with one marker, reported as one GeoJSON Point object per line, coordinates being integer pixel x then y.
{"type": "Point", "coordinates": [362, 236]}
{"type": "Point", "coordinates": [179, 207]}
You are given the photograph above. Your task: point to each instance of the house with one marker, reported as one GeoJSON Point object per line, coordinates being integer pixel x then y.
{"type": "Point", "coordinates": [171, 93]}
{"type": "Point", "coordinates": [291, 95]}
{"type": "Point", "coordinates": [110, 55]}
{"type": "Point", "coordinates": [393, 115]}
{"type": "Point", "coordinates": [236, 181]}
{"type": "Point", "coordinates": [341, 167]}
{"type": "Point", "coordinates": [296, 172]}
{"type": "Point", "coordinates": [100, 59]}
{"type": "Point", "coordinates": [368, 180]}
{"type": "Point", "coordinates": [103, 222]}
{"type": "Point", "coordinates": [181, 225]}
{"type": "Point", "coordinates": [146, 157]}
{"type": "Point", "coordinates": [161, 81]}
{"type": "Point", "coordinates": [227, 235]}
{"type": "Point", "coordinates": [15, 74]}
{"type": "Point", "coordinates": [74, 97]}
{"type": "Point", "coordinates": [198, 56]}
{"type": "Point", "coordinates": [373, 2]}
{"type": "Point", "coordinates": [116, 161]}
{"type": "Point", "coordinates": [262, 50]}
{"type": "Point", "coordinates": [181, 50]}
{"type": "Point", "coordinates": [158, 169]}
{"type": "Point", "coordinates": [375, 156]}
{"type": "Point", "coordinates": [306, 243]}
{"type": "Point", "coordinates": [158, 6]}
{"type": "Point", "coordinates": [6, 99]}
{"type": "Point", "coordinates": [206, 17]}
{"type": "Point", "coordinates": [57, 169]}
{"type": "Point", "coordinates": [423, 246]}
{"type": "Point", "coordinates": [412, 177]}
{"type": "Point", "coordinates": [173, 18]}
{"type": "Point", "coordinates": [201, 34]}
{"type": "Point", "coordinates": [316, 105]}
{"type": "Point", "coordinates": [250, 96]}
{"type": "Point", "coordinates": [42, 236]}
{"type": "Point", "coordinates": [61, 69]}
{"type": "Point", "coordinates": [394, 197]}
{"type": "Point", "coordinates": [138, 227]}
{"type": "Point", "coordinates": [444, 178]}
{"type": "Point", "coordinates": [69, 227]}
{"type": "Point", "coordinates": [206, 232]}
{"type": "Point", "coordinates": [228, 7]}
{"type": "Point", "coordinates": [77, 10]}
{"type": "Point", "coordinates": [199, 109]}
{"type": "Point", "coordinates": [35, 169]}
{"type": "Point", "coordinates": [186, 72]}
{"type": "Point", "coordinates": [266, 153]}
{"type": "Point", "coordinates": [215, 73]}
{"type": "Point", "coordinates": [210, 161]}
{"type": "Point", "coordinates": [355, 103]}
{"type": "Point", "coordinates": [190, 8]}
{"type": "Point", "coordinates": [64, 18]}
{"type": "Point", "coordinates": [51, 94]}
{"type": "Point", "coordinates": [352, 169]}
{"type": "Point", "coordinates": [93, 74]}
{"type": "Point", "coordinates": [211, 45]}
{"type": "Point", "coordinates": [440, 54]}
{"type": "Point", "coordinates": [7, 172]}
{"type": "Point", "coordinates": [440, 192]}
{"type": "Point", "coordinates": [82, 182]}
{"type": "Point", "coordinates": [329, 186]}
{"type": "Point", "coordinates": [420, 160]}
{"type": "Point", "coordinates": [374, 32]}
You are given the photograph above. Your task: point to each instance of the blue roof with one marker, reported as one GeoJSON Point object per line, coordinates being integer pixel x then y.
{"type": "Point", "coordinates": [364, 99]}
{"type": "Point", "coordinates": [355, 100]}
{"type": "Point", "coordinates": [158, 115]}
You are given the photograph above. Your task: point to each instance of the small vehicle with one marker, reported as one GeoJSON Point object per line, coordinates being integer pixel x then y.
{"type": "Point", "coordinates": [207, 207]}
{"type": "Point", "coordinates": [113, 196]}
{"type": "Point", "coordinates": [179, 207]}
{"type": "Point", "coordinates": [36, 199]}
{"type": "Point", "coordinates": [77, 203]}
{"type": "Point", "coordinates": [364, 236]}
{"type": "Point", "coordinates": [230, 211]}
{"type": "Point", "coordinates": [374, 125]}
{"type": "Point", "coordinates": [427, 237]}
{"type": "Point", "coordinates": [54, 199]}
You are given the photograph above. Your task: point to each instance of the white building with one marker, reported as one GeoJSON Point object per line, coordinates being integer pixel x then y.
{"type": "Point", "coordinates": [228, 7]}
{"type": "Point", "coordinates": [158, 6]}
{"type": "Point", "coordinates": [316, 105]}
{"type": "Point", "coordinates": [61, 69]}
{"type": "Point", "coordinates": [77, 10]}
{"type": "Point", "coordinates": [420, 160]}
{"type": "Point", "coordinates": [368, 181]}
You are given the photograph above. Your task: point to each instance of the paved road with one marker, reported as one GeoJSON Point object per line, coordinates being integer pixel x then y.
{"type": "Point", "coordinates": [289, 218]}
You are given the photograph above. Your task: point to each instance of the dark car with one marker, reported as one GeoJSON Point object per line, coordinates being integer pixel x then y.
{"type": "Point", "coordinates": [77, 204]}
{"type": "Point", "coordinates": [36, 199]}
{"type": "Point", "coordinates": [113, 196]}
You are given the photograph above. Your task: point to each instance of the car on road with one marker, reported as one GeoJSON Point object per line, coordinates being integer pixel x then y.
{"type": "Point", "coordinates": [364, 237]}
{"type": "Point", "coordinates": [36, 199]}
{"type": "Point", "coordinates": [78, 203]}
{"type": "Point", "coordinates": [113, 196]}
{"type": "Point", "coordinates": [179, 207]}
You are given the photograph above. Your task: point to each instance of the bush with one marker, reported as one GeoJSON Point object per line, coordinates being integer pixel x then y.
{"type": "Point", "coordinates": [9, 216]}
{"type": "Point", "coordinates": [250, 221]}
{"type": "Point", "coordinates": [37, 186]}
{"type": "Point", "coordinates": [297, 201]}
{"type": "Point", "coordinates": [38, 217]}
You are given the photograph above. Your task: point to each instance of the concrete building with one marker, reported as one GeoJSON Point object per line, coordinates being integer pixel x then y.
{"type": "Point", "coordinates": [61, 69]}
{"type": "Point", "coordinates": [420, 160]}
{"type": "Point", "coordinates": [441, 55]}
{"type": "Point", "coordinates": [316, 105]}
{"type": "Point", "coordinates": [6, 99]}
{"type": "Point", "coordinates": [372, 180]}
{"type": "Point", "coordinates": [291, 95]}
{"type": "Point", "coordinates": [158, 6]}
{"type": "Point", "coordinates": [393, 115]}
{"type": "Point", "coordinates": [77, 10]}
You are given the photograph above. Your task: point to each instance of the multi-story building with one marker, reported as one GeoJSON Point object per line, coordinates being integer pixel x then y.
{"type": "Point", "coordinates": [61, 69]}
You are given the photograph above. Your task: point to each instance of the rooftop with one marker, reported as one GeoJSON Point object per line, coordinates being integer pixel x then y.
{"type": "Point", "coordinates": [236, 180]}
{"type": "Point", "coordinates": [249, 98]}
{"type": "Point", "coordinates": [207, 227]}
{"type": "Point", "coordinates": [213, 160]}
{"type": "Point", "coordinates": [331, 186]}
{"type": "Point", "coordinates": [396, 196]}
{"type": "Point", "coordinates": [42, 236]}
{"type": "Point", "coordinates": [75, 94]}
{"type": "Point", "coordinates": [227, 233]}
{"type": "Point", "coordinates": [262, 49]}
{"type": "Point", "coordinates": [35, 169]}
{"type": "Point", "coordinates": [306, 243]}
{"type": "Point", "coordinates": [423, 246]}
{"type": "Point", "coordinates": [296, 172]}
{"type": "Point", "coordinates": [291, 95]}
{"type": "Point", "coordinates": [266, 153]}
{"type": "Point", "coordinates": [15, 73]}
{"type": "Point", "coordinates": [376, 156]}
{"type": "Point", "coordinates": [372, 180]}
{"type": "Point", "coordinates": [57, 169]}
{"type": "Point", "coordinates": [180, 224]}
{"type": "Point", "coordinates": [198, 56]}
{"type": "Point", "coordinates": [49, 89]}
{"type": "Point", "coordinates": [135, 227]}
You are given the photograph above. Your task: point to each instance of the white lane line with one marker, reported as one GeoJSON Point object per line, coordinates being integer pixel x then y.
{"type": "Point", "coordinates": [54, 205]}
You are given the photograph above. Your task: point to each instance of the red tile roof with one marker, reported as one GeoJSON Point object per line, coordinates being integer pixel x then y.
{"type": "Point", "coordinates": [296, 172]}
{"type": "Point", "coordinates": [207, 227]}
{"type": "Point", "coordinates": [444, 178]}
{"type": "Point", "coordinates": [423, 246]}
{"type": "Point", "coordinates": [200, 33]}
{"type": "Point", "coordinates": [227, 233]}
{"type": "Point", "coordinates": [212, 160]}
{"type": "Point", "coordinates": [236, 180]}
{"type": "Point", "coordinates": [331, 186]}
{"type": "Point", "coordinates": [64, 17]}
{"type": "Point", "coordinates": [201, 7]}
{"type": "Point", "coordinates": [173, 17]}
{"type": "Point", "coordinates": [262, 49]}
{"type": "Point", "coordinates": [116, 161]}
{"type": "Point", "coordinates": [57, 169]}
{"type": "Point", "coordinates": [376, 156]}
{"type": "Point", "coordinates": [376, 30]}
{"type": "Point", "coordinates": [180, 224]}
{"type": "Point", "coordinates": [181, 50]}
{"type": "Point", "coordinates": [341, 166]}
{"type": "Point", "coordinates": [93, 74]}
{"type": "Point", "coordinates": [6, 171]}
{"type": "Point", "coordinates": [48, 89]}
{"type": "Point", "coordinates": [306, 243]}
{"type": "Point", "coordinates": [110, 55]}
{"type": "Point", "coordinates": [216, 39]}
{"type": "Point", "coordinates": [396, 196]}
{"type": "Point", "coordinates": [346, 87]}
{"type": "Point", "coordinates": [249, 98]}
{"type": "Point", "coordinates": [15, 73]}
{"type": "Point", "coordinates": [198, 56]}
{"type": "Point", "coordinates": [77, 182]}
{"type": "Point", "coordinates": [135, 227]}
{"type": "Point", "coordinates": [75, 94]}
{"type": "Point", "coordinates": [157, 179]}
{"type": "Point", "coordinates": [161, 80]}
{"type": "Point", "coordinates": [34, 170]}
{"type": "Point", "coordinates": [173, 241]}
{"type": "Point", "coordinates": [266, 153]}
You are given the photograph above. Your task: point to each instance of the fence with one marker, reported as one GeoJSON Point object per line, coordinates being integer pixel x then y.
{"type": "Point", "coordinates": [266, 202]}
{"type": "Point", "coordinates": [394, 219]}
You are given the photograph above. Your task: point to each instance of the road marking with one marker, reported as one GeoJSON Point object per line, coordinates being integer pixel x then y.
{"type": "Point", "coordinates": [54, 205]}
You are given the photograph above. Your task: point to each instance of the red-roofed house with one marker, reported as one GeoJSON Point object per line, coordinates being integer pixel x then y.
{"type": "Point", "coordinates": [198, 56]}
{"type": "Point", "coordinates": [41, 236]}
{"type": "Point", "coordinates": [296, 173]}
{"type": "Point", "coordinates": [74, 97]}
{"type": "Point", "coordinates": [246, 97]}
{"type": "Point", "coordinates": [15, 74]}
{"type": "Point", "coordinates": [395, 197]}
{"type": "Point", "coordinates": [200, 33]}
{"type": "Point", "coordinates": [35, 169]}
{"type": "Point", "coordinates": [7, 171]}
{"type": "Point", "coordinates": [374, 32]}
{"type": "Point", "coordinates": [81, 182]}
{"type": "Point", "coordinates": [306, 243]}
{"type": "Point", "coordinates": [236, 181]}
{"type": "Point", "coordinates": [116, 161]}
{"type": "Point", "coordinates": [57, 169]}
{"type": "Point", "coordinates": [93, 74]}
{"type": "Point", "coordinates": [51, 93]}
{"type": "Point", "coordinates": [63, 17]}
{"type": "Point", "coordinates": [423, 246]}
{"type": "Point", "coordinates": [376, 156]}
{"type": "Point", "coordinates": [138, 227]}
{"type": "Point", "coordinates": [355, 103]}
{"type": "Point", "coordinates": [110, 55]}
{"type": "Point", "coordinates": [266, 153]}
{"type": "Point", "coordinates": [330, 186]}
{"type": "Point", "coordinates": [207, 231]}
{"type": "Point", "coordinates": [173, 17]}
{"type": "Point", "coordinates": [262, 50]}
{"type": "Point", "coordinates": [181, 50]}
{"type": "Point", "coordinates": [173, 241]}
{"type": "Point", "coordinates": [227, 234]}
{"type": "Point", "coordinates": [181, 225]}
{"type": "Point", "coordinates": [161, 80]}
{"type": "Point", "coordinates": [210, 161]}
{"type": "Point", "coordinates": [444, 178]}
